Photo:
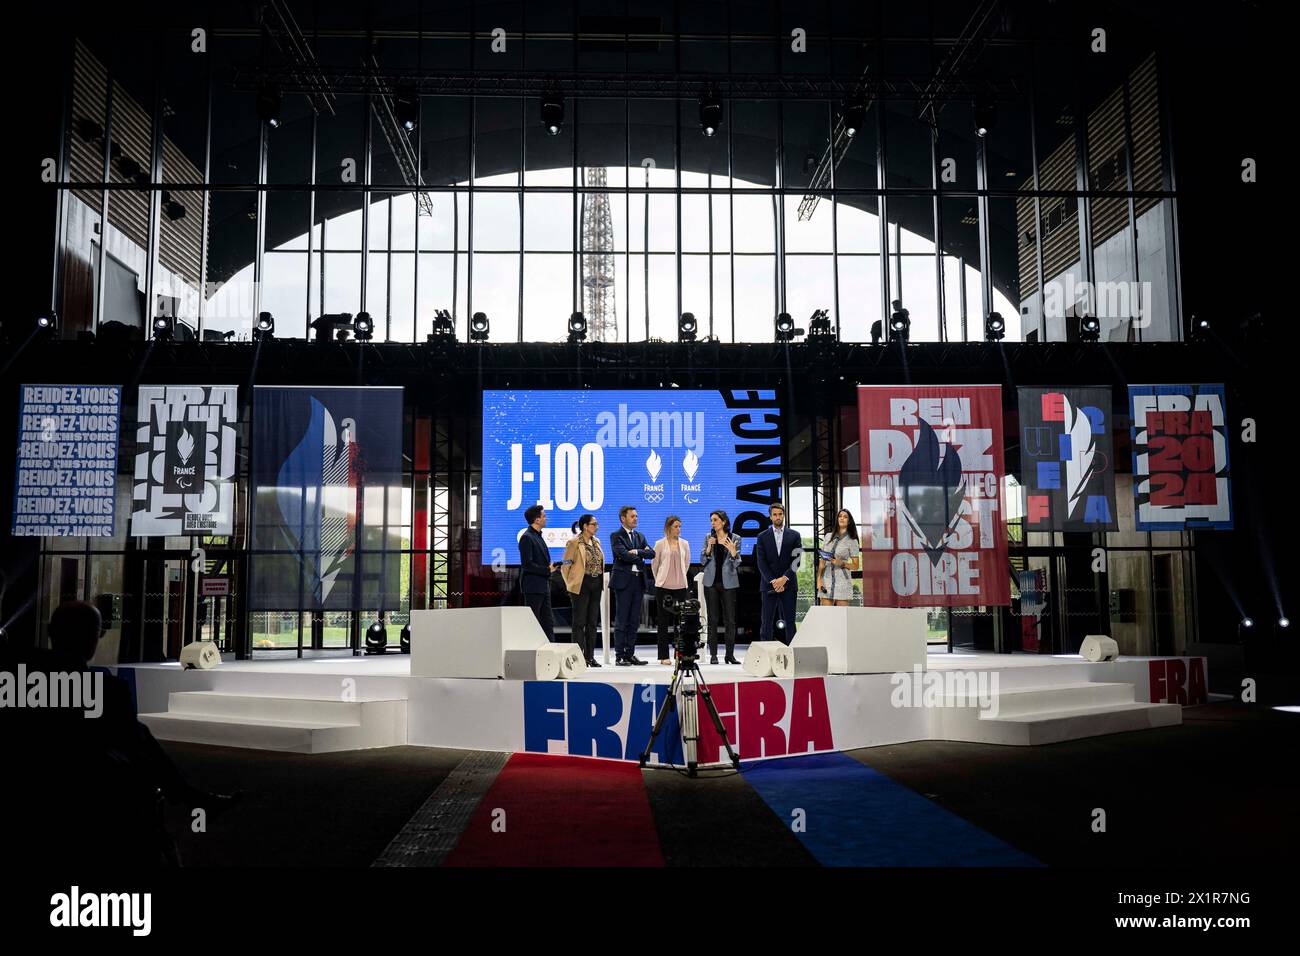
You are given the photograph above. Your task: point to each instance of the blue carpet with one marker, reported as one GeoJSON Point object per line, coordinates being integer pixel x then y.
{"type": "Point", "coordinates": [856, 816]}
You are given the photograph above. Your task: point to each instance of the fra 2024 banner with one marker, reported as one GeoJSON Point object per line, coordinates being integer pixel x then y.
{"type": "Point", "coordinates": [932, 477]}
{"type": "Point", "coordinates": [1180, 457]}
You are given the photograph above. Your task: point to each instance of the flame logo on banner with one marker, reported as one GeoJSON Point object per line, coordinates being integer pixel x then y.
{"type": "Point", "coordinates": [691, 464]}
{"type": "Point", "coordinates": [653, 464]}
{"type": "Point", "coordinates": [317, 496]}
{"type": "Point", "coordinates": [931, 490]}
{"type": "Point", "coordinates": [1081, 465]}
{"type": "Point", "coordinates": [185, 446]}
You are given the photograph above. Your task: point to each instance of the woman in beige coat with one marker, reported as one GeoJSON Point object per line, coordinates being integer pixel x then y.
{"type": "Point", "coordinates": [583, 570]}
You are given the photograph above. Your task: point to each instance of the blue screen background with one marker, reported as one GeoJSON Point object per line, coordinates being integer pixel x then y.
{"type": "Point", "coordinates": [538, 417]}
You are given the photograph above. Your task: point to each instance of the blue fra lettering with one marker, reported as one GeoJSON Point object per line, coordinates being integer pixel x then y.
{"type": "Point", "coordinates": [641, 720]}
{"type": "Point", "coordinates": [594, 712]}
{"type": "Point", "coordinates": [543, 714]}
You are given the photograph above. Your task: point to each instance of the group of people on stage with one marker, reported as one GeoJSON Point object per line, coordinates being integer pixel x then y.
{"type": "Point", "coordinates": [666, 565]}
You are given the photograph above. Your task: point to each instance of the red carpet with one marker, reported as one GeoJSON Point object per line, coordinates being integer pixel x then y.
{"type": "Point", "coordinates": [562, 811]}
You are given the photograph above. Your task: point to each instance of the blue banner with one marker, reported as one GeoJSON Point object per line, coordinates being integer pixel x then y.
{"type": "Point", "coordinates": [65, 483]}
{"type": "Point", "coordinates": [327, 513]}
{"type": "Point", "coordinates": [683, 453]}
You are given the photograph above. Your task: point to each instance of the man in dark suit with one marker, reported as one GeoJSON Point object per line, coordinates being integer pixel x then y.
{"type": "Point", "coordinates": [629, 580]}
{"type": "Point", "coordinates": [776, 551]}
{"type": "Point", "coordinates": [535, 568]}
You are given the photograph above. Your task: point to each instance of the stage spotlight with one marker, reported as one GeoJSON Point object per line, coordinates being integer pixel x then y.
{"type": "Point", "coordinates": [478, 327]}
{"type": "Point", "coordinates": [900, 322]}
{"type": "Point", "coordinates": [785, 328]}
{"type": "Point", "coordinates": [1247, 622]}
{"type": "Point", "coordinates": [819, 326]}
{"type": "Point", "coordinates": [48, 322]}
{"type": "Point", "coordinates": [264, 327]}
{"type": "Point", "coordinates": [710, 113]}
{"type": "Point", "coordinates": [1090, 329]}
{"type": "Point", "coordinates": [377, 637]}
{"type": "Point", "coordinates": [577, 328]}
{"type": "Point", "coordinates": [164, 328]}
{"type": "Point", "coordinates": [686, 327]}
{"type": "Point", "coordinates": [1284, 622]}
{"type": "Point", "coordinates": [995, 328]}
{"type": "Point", "coordinates": [552, 112]}
{"type": "Point", "coordinates": [855, 117]}
{"type": "Point", "coordinates": [1200, 329]}
{"type": "Point", "coordinates": [363, 327]}
{"type": "Point", "coordinates": [406, 638]}
{"type": "Point", "coordinates": [406, 107]}
{"type": "Point", "coordinates": [986, 115]}
{"type": "Point", "coordinates": [268, 104]}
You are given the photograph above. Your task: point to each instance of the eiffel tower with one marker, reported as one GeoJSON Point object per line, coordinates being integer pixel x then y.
{"type": "Point", "coordinates": [598, 257]}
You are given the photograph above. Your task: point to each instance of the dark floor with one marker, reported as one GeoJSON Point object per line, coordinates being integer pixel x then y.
{"type": "Point", "coordinates": [1223, 787]}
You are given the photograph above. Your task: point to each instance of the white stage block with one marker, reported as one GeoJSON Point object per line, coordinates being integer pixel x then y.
{"type": "Point", "coordinates": [540, 664]}
{"type": "Point", "coordinates": [799, 661]}
{"type": "Point", "coordinates": [758, 659]}
{"type": "Point", "coordinates": [470, 641]}
{"type": "Point", "coordinates": [866, 640]}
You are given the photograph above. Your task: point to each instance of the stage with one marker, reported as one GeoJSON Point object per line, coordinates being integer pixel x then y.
{"type": "Point", "coordinates": [314, 705]}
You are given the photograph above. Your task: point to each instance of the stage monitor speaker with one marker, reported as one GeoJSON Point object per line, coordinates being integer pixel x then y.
{"type": "Point", "coordinates": [759, 658]}
{"type": "Point", "coordinates": [571, 662]}
{"type": "Point", "coordinates": [538, 664]}
{"type": "Point", "coordinates": [200, 655]}
{"type": "Point", "coordinates": [1098, 647]}
{"type": "Point", "coordinates": [799, 662]}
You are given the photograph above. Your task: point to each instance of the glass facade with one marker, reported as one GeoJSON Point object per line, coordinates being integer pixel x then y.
{"type": "Point", "coordinates": [387, 187]}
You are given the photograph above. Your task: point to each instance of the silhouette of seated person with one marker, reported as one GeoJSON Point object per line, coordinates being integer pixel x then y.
{"type": "Point", "coordinates": [75, 629]}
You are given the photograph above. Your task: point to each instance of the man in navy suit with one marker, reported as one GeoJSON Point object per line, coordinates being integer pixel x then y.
{"type": "Point", "coordinates": [775, 551]}
{"type": "Point", "coordinates": [535, 567]}
{"type": "Point", "coordinates": [629, 580]}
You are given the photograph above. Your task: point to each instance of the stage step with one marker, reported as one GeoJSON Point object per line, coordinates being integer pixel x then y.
{"type": "Point", "coordinates": [291, 724]}
{"type": "Point", "coordinates": [1032, 700]}
{"type": "Point", "coordinates": [1046, 715]}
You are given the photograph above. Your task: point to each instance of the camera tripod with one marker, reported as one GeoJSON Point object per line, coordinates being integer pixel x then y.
{"type": "Point", "coordinates": [688, 667]}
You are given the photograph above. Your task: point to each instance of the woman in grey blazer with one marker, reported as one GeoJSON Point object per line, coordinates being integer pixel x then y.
{"type": "Point", "coordinates": [720, 564]}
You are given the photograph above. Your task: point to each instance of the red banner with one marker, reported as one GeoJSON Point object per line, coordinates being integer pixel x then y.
{"type": "Point", "coordinates": [932, 475]}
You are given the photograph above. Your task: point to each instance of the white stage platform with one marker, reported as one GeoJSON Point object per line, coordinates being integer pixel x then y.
{"type": "Point", "coordinates": [323, 704]}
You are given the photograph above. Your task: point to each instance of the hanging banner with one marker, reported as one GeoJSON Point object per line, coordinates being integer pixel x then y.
{"type": "Point", "coordinates": [1180, 457]}
{"type": "Point", "coordinates": [65, 483]}
{"type": "Point", "coordinates": [185, 460]}
{"type": "Point", "coordinates": [932, 475]}
{"type": "Point", "coordinates": [327, 482]}
{"type": "Point", "coordinates": [1067, 458]}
